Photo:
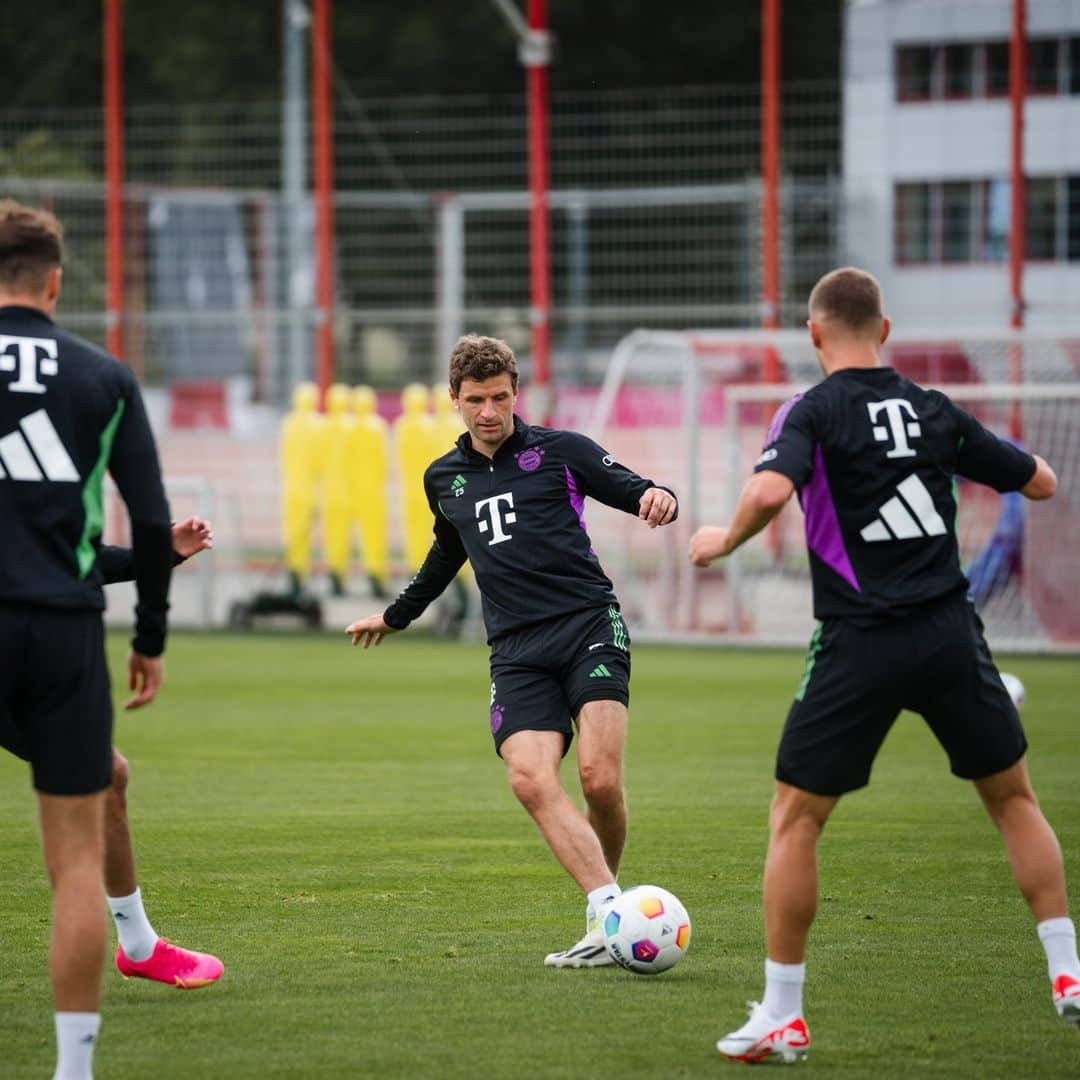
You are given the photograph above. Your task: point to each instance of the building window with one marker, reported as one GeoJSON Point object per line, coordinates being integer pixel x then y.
{"type": "Point", "coordinates": [996, 68]}
{"type": "Point", "coordinates": [1042, 199]}
{"type": "Point", "coordinates": [1072, 218]}
{"type": "Point", "coordinates": [957, 200]}
{"type": "Point", "coordinates": [1042, 65]}
{"type": "Point", "coordinates": [912, 223]}
{"type": "Point", "coordinates": [915, 68]}
{"type": "Point", "coordinates": [961, 221]}
{"type": "Point", "coordinates": [959, 71]}
{"type": "Point", "coordinates": [996, 222]}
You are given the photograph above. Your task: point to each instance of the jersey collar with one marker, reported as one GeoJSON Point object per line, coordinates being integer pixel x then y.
{"type": "Point", "coordinates": [22, 311]}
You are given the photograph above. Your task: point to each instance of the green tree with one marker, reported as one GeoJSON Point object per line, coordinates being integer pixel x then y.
{"type": "Point", "coordinates": [179, 51]}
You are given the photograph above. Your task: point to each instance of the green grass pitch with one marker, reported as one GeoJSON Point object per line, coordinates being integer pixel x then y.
{"type": "Point", "coordinates": [335, 825]}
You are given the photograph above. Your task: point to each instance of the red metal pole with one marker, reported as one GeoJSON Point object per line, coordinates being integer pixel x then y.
{"type": "Point", "coordinates": [770, 176]}
{"type": "Point", "coordinates": [323, 171]}
{"type": "Point", "coordinates": [1018, 209]}
{"type": "Point", "coordinates": [770, 206]}
{"type": "Point", "coordinates": [539, 236]}
{"type": "Point", "coordinates": [114, 178]}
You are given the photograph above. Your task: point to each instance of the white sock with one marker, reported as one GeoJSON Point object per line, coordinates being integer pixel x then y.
{"type": "Point", "coordinates": [783, 989]}
{"type": "Point", "coordinates": [599, 897]}
{"type": "Point", "coordinates": [137, 937]}
{"type": "Point", "coordinates": [76, 1034]}
{"type": "Point", "coordinates": [1058, 937]}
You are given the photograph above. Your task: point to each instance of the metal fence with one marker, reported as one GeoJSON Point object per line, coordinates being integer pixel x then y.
{"type": "Point", "coordinates": [655, 220]}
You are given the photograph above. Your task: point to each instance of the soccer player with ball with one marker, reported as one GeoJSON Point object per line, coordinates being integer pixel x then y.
{"type": "Point", "coordinates": [873, 457]}
{"type": "Point", "coordinates": [510, 498]}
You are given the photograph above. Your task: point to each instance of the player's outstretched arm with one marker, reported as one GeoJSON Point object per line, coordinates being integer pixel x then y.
{"type": "Point", "coordinates": [189, 537]}
{"type": "Point", "coordinates": [369, 631]}
{"type": "Point", "coordinates": [762, 498]}
{"type": "Point", "coordinates": [657, 507]}
{"type": "Point", "coordinates": [1043, 484]}
{"type": "Point", "coordinates": [145, 676]}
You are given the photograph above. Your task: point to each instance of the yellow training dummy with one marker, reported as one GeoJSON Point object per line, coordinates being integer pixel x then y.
{"type": "Point", "coordinates": [447, 426]}
{"type": "Point", "coordinates": [413, 440]}
{"type": "Point", "coordinates": [337, 485]}
{"type": "Point", "coordinates": [369, 506]}
{"type": "Point", "coordinates": [302, 450]}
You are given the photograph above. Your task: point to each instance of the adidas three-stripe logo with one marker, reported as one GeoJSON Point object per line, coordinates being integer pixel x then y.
{"type": "Point", "coordinates": [35, 452]}
{"type": "Point", "coordinates": [909, 514]}
{"type": "Point", "coordinates": [600, 672]}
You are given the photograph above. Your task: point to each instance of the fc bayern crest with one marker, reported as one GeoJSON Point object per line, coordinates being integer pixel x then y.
{"type": "Point", "coordinates": [529, 460]}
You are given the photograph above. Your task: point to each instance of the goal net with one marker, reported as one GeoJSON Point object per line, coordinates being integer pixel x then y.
{"type": "Point", "coordinates": [692, 409]}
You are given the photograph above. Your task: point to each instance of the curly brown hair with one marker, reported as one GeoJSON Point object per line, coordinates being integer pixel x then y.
{"type": "Point", "coordinates": [31, 244]}
{"type": "Point", "coordinates": [479, 358]}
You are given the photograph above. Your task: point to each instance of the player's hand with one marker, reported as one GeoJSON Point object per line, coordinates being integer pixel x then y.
{"type": "Point", "coordinates": [657, 507]}
{"type": "Point", "coordinates": [369, 631]}
{"type": "Point", "coordinates": [191, 536]}
{"type": "Point", "coordinates": [145, 676]}
{"type": "Point", "coordinates": [708, 543]}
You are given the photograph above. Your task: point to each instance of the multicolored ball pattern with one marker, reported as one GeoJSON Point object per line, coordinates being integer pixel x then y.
{"type": "Point", "coordinates": [647, 930]}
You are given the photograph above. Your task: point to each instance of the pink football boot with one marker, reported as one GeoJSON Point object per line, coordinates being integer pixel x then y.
{"type": "Point", "coordinates": [170, 964]}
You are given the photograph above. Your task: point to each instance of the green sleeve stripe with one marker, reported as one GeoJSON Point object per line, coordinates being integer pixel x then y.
{"type": "Point", "coordinates": [93, 497]}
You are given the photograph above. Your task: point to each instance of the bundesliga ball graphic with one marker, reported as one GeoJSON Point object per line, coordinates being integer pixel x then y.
{"type": "Point", "coordinates": [1015, 688]}
{"type": "Point", "coordinates": [646, 930]}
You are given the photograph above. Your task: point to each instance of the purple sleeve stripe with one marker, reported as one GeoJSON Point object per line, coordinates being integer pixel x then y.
{"type": "Point", "coordinates": [577, 501]}
{"type": "Point", "coordinates": [777, 424]}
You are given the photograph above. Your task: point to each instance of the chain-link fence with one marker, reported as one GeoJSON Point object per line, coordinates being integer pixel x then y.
{"type": "Point", "coordinates": [655, 214]}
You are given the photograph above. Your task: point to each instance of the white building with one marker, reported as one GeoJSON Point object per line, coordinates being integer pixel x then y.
{"type": "Point", "coordinates": [927, 153]}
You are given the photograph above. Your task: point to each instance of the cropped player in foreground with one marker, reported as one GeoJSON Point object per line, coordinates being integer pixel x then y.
{"type": "Point", "coordinates": [510, 498]}
{"type": "Point", "coordinates": [873, 457]}
{"type": "Point", "coordinates": [141, 953]}
{"type": "Point", "coordinates": [68, 412]}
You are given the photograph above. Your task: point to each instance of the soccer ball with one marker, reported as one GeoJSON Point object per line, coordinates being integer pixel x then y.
{"type": "Point", "coordinates": [646, 930]}
{"type": "Point", "coordinates": [1015, 688]}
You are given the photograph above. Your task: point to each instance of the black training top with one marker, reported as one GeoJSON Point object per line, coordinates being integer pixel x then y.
{"type": "Point", "coordinates": [519, 519]}
{"type": "Point", "coordinates": [68, 412]}
{"type": "Point", "coordinates": [874, 458]}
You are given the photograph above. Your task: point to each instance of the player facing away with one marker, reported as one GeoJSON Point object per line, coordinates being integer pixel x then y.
{"type": "Point", "coordinates": [68, 413]}
{"type": "Point", "coordinates": [873, 457]}
{"type": "Point", "coordinates": [510, 497]}
{"type": "Point", "coordinates": [140, 953]}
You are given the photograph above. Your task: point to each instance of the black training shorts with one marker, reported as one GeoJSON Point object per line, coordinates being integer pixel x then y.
{"type": "Point", "coordinates": [541, 676]}
{"type": "Point", "coordinates": [55, 702]}
{"type": "Point", "coordinates": [858, 678]}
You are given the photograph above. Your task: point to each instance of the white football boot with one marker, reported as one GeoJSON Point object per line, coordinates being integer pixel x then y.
{"type": "Point", "coordinates": [763, 1037]}
{"type": "Point", "coordinates": [589, 951]}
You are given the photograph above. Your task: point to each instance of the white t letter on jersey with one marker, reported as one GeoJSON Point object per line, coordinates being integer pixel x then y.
{"type": "Point", "coordinates": [27, 382]}
{"type": "Point", "coordinates": [900, 429]}
{"type": "Point", "coordinates": [496, 519]}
